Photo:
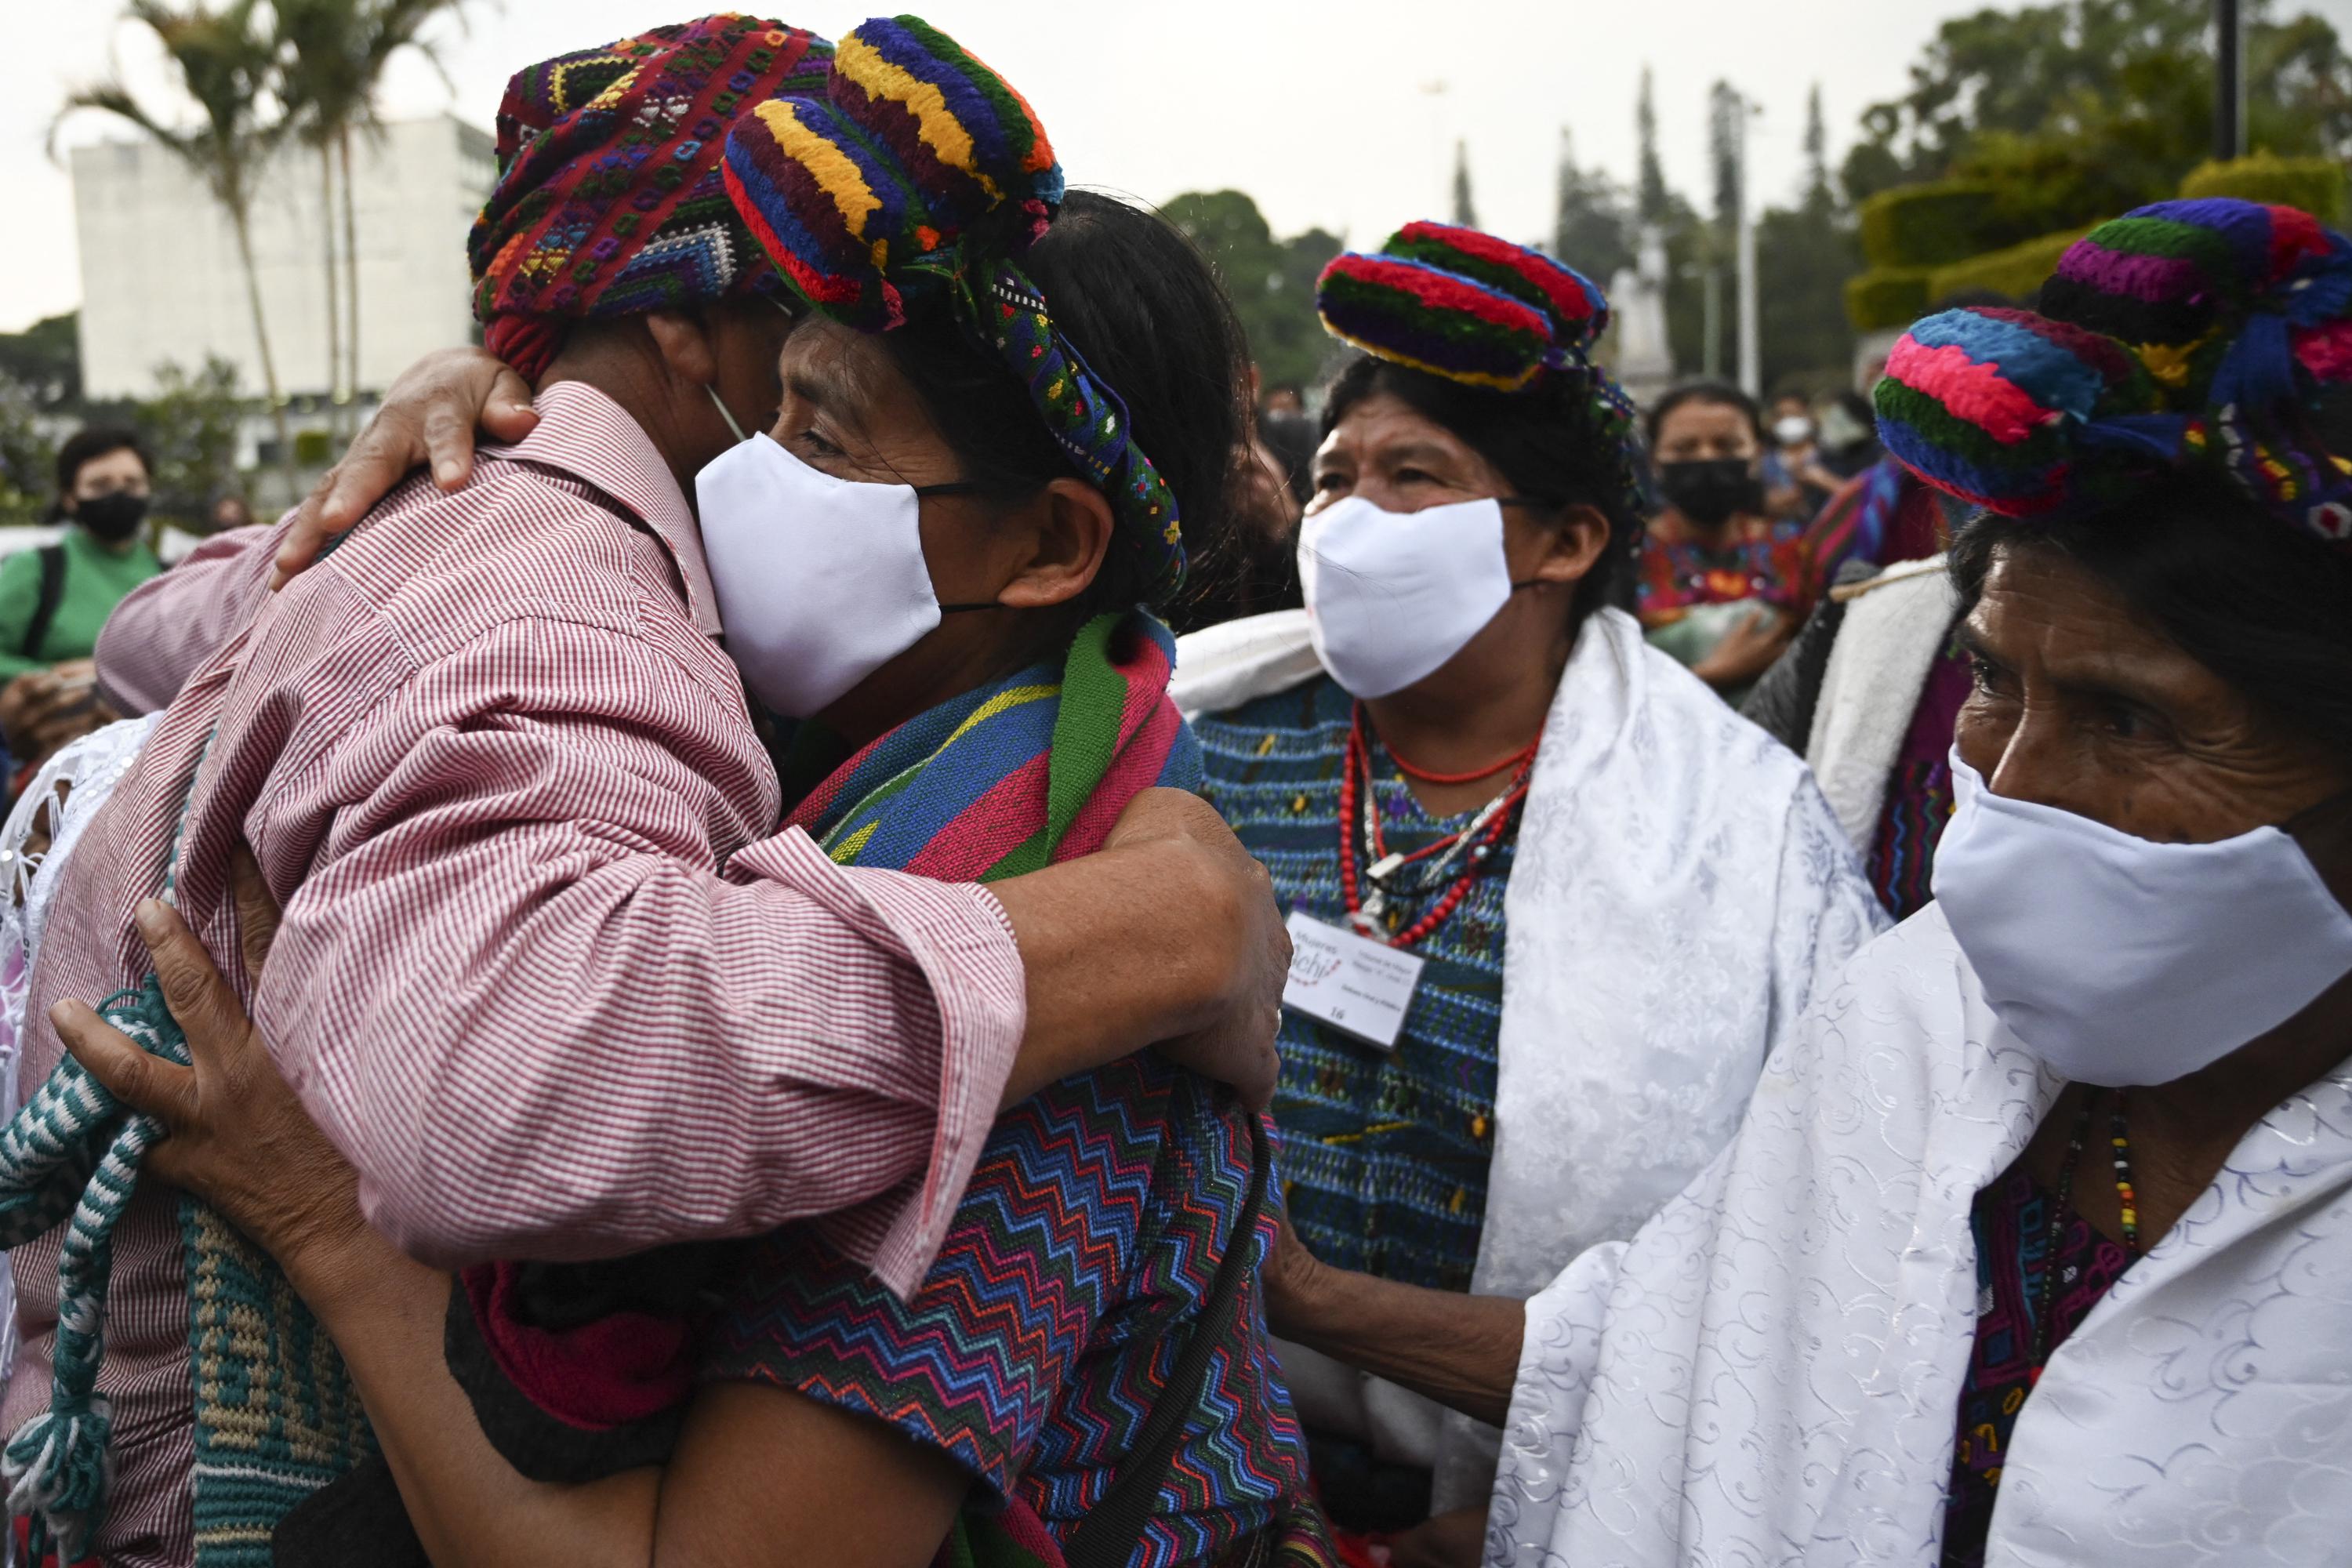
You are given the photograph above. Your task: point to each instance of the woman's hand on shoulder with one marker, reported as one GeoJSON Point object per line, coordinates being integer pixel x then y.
{"type": "Point", "coordinates": [1293, 1280]}
{"type": "Point", "coordinates": [431, 415]}
{"type": "Point", "coordinates": [235, 1136]}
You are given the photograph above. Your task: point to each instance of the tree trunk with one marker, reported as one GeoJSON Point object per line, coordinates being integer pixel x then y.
{"type": "Point", "coordinates": [351, 270]}
{"type": "Point", "coordinates": [334, 287]}
{"type": "Point", "coordinates": [242, 221]}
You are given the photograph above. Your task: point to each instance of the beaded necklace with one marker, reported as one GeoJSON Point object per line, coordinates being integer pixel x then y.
{"type": "Point", "coordinates": [1478, 840]}
{"type": "Point", "coordinates": [2061, 1206]}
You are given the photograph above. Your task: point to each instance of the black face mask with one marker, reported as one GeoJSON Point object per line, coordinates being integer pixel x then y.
{"type": "Point", "coordinates": [113, 518]}
{"type": "Point", "coordinates": [1710, 491]}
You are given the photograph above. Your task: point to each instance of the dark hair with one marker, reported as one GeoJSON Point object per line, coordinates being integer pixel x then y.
{"type": "Point", "coordinates": [1548, 440]}
{"type": "Point", "coordinates": [1141, 305]}
{"type": "Point", "coordinates": [92, 442]}
{"type": "Point", "coordinates": [2264, 605]}
{"type": "Point", "coordinates": [1712, 394]}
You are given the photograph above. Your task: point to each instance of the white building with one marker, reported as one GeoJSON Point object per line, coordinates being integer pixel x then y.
{"type": "Point", "coordinates": [161, 279]}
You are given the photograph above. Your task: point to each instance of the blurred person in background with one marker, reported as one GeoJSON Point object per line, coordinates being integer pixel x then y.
{"type": "Point", "coordinates": [55, 599]}
{"type": "Point", "coordinates": [1251, 568]}
{"type": "Point", "coordinates": [1796, 480]}
{"type": "Point", "coordinates": [1607, 895]}
{"type": "Point", "coordinates": [230, 510]}
{"type": "Point", "coordinates": [1722, 582]}
{"type": "Point", "coordinates": [1849, 439]}
{"type": "Point", "coordinates": [1869, 689]}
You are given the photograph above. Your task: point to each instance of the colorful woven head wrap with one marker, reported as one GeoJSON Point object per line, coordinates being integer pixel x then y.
{"type": "Point", "coordinates": [1468, 307]}
{"type": "Point", "coordinates": [2183, 334]}
{"type": "Point", "coordinates": [917, 182]}
{"type": "Point", "coordinates": [609, 199]}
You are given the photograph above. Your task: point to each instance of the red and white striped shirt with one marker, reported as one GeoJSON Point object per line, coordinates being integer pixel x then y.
{"type": "Point", "coordinates": [545, 976]}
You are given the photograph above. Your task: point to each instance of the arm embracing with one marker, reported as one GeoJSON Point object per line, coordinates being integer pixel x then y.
{"type": "Point", "coordinates": [515, 992]}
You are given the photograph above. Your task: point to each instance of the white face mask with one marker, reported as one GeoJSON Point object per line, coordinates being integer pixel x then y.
{"type": "Point", "coordinates": [1794, 430]}
{"type": "Point", "coordinates": [821, 581]}
{"type": "Point", "coordinates": [2121, 962]}
{"type": "Point", "coordinates": [1391, 597]}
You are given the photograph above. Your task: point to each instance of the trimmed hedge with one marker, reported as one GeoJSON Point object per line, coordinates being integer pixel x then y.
{"type": "Point", "coordinates": [313, 448]}
{"type": "Point", "coordinates": [1886, 297]}
{"type": "Point", "coordinates": [2017, 271]}
{"type": "Point", "coordinates": [2314, 185]}
{"type": "Point", "coordinates": [1930, 225]}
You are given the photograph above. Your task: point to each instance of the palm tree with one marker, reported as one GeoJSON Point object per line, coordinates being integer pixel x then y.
{"type": "Point", "coordinates": [337, 52]}
{"type": "Point", "coordinates": [226, 63]}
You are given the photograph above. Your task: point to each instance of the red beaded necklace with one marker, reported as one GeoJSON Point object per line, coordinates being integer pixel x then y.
{"type": "Point", "coordinates": [1486, 828]}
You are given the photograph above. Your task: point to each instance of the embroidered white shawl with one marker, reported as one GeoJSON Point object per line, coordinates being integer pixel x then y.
{"type": "Point", "coordinates": [1679, 893]}
{"type": "Point", "coordinates": [1769, 1372]}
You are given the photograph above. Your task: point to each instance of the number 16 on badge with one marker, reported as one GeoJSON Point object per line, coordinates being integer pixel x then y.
{"type": "Point", "coordinates": [1358, 987]}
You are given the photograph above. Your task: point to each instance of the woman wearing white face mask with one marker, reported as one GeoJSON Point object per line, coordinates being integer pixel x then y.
{"type": "Point", "coordinates": [2035, 1246]}
{"type": "Point", "coordinates": [1588, 898]}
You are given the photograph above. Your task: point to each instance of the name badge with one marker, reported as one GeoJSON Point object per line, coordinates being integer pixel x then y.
{"type": "Point", "coordinates": [1358, 987]}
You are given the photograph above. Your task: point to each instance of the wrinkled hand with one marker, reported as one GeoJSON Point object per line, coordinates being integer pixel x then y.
{"type": "Point", "coordinates": [1237, 1045]}
{"type": "Point", "coordinates": [429, 416]}
{"type": "Point", "coordinates": [1748, 649]}
{"type": "Point", "coordinates": [236, 1137]}
{"type": "Point", "coordinates": [42, 711]}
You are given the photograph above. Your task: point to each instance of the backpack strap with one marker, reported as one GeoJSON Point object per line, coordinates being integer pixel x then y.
{"type": "Point", "coordinates": [1114, 1527]}
{"type": "Point", "coordinates": [45, 608]}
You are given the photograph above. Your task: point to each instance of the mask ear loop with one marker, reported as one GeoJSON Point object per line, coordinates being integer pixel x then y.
{"type": "Point", "coordinates": [1532, 501]}
{"type": "Point", "coordinates": [724, 413]}
{"type": "Point", "coordinates": [957, 488]}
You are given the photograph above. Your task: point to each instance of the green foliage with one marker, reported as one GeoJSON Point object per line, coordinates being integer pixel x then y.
{"type": "Point", "coordinates": [1592, 225]}
{"type": "Point", "coordinates": [1271, 281]}
{"type": "Point", "coordinates": [335, 53]}
{"type": "Point", "coordinates": [1929, 225]}
{"type": "Point", "coordinates": [1803, 254]}
{"type": "Point", "coordinates": [2077, 111]}
{"type": "Point", "coordinates": [2314, 185]}
{"type": "Point", "coordinates": [1887, 296]}
{"type": "Point", "coordinates": [190, 428]}
{"type": "Point", "coordinates": [2015, 272]}
{"type": "Point", "coordinates": [43, 362]}
{"type": "Point", "coordinates": [1652, 201]}
{"type": "Point", "coordinates": [26, 458]}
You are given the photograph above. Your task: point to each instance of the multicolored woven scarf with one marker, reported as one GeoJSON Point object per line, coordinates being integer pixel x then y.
{"type": "Point", "coordinates": [1007, 779]}
{"type": "Point", "coordinates": [915, 183]}
{"type": "Point", "coordinates": [2203, 333]}
{"type": "Point", "coordinates": [1470, 308]}
{"type": "Point", "coordinates": [609, 199]}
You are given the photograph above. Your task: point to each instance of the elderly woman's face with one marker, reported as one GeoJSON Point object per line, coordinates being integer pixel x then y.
{"type": "Point", "coordinates": [2082, 704]}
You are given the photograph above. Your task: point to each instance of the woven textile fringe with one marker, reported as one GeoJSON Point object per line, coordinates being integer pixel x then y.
{"type": "Point", "coordinates": [275, 1413]}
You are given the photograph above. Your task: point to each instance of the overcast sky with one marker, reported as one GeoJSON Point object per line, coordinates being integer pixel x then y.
{"type": "Point", "coordinates": [1342, 113]}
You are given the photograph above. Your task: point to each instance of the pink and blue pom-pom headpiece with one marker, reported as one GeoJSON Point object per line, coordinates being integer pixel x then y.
{"type": "Point", "coordinates": [1467, 307]}
{"type": "Point", "coordinates": [2202, 334]}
